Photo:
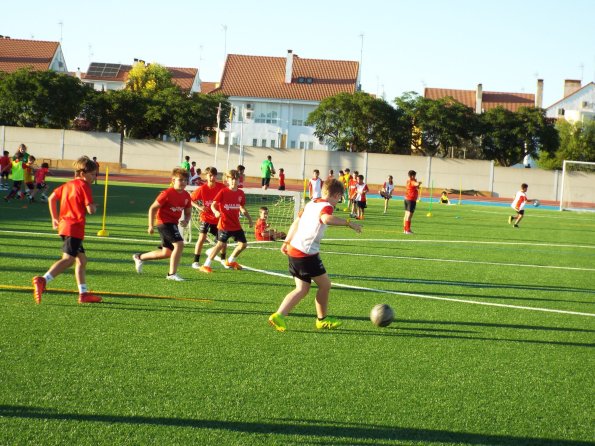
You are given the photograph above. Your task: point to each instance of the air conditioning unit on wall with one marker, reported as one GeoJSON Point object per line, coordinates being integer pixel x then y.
{"type": "Point", "coordinates": [249, 106]}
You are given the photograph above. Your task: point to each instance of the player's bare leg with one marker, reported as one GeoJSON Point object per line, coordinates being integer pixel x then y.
{"type": "Point", "coordinates": [294, 296]}
{"type": "Point", "coordinates": [175, 257]}
{"type": "Point", "coordinates": [324, 288]}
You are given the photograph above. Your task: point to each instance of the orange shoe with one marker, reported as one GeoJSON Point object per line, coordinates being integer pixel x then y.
{"type": "Point", "coordinates": [88, 298]}
{"type": "Point", "coordinates": [233, 265]}
{"type": "Point", "coordinates": [38, 288]}
{"type": "Point", "coordinates": [205, 269]}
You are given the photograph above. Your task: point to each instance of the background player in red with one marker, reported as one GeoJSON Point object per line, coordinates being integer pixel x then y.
{"type": "Point", "coordinates": [361, 189]}
{"type": "Point", "coordinates": [411, 194]}
{"type": "Point", "coordinates": [202, 198]}
{"type": "Point", "coordinates": [168, 209]}
{"type": "Point", "coordinates": [76, 200]}
{"type": "Point", "coordinates": [263, 231]}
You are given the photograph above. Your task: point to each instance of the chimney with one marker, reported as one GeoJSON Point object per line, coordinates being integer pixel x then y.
{"type": "Point", "coordinates": [289, 67]}
{"type": "Point", "coordinates": [570, 86]}
{"type": "Point", "coordinates": [539, 94]}
{"type": "Point", "coordinates": [479, 99]}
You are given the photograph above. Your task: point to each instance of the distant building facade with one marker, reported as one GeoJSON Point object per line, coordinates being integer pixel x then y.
{"type": "Point", "coordinates": [37, 55]}
{"type": "Point", "coordinates": [578, 103]}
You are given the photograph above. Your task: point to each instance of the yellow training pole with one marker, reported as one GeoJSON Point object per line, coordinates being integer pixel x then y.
{"type": "Point", "coordinates": [420, 192]}
{"type": "Point", "coordinates": [103, 232]}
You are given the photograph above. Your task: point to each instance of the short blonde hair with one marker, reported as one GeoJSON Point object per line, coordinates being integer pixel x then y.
{"type": "Point", "coordinates": [84, 165]}
{"type": "Point", "coordinates": [179, 172]}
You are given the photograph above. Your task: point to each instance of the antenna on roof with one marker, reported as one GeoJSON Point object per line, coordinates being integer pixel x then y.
{"type": "Point", "coordinates": [90, 53]}
{"type": "Point", "coordinates": [200, 48]}
{"type": "Point", "coordinates": [582, 68]}
{"type": "Point", "coordinates": [61, 23]}
{"type": "Point", "coordinates": [361, 60]}
{"type": "Point", "coordinates": [224, 42]}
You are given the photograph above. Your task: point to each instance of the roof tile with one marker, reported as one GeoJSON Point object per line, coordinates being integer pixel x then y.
{"type": "Point", "coordinates": [490, 99]}
{"type": "Point", "coordinates": [19, 53]}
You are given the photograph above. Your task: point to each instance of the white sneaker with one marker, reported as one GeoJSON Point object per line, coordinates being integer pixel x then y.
{"type": "Point", "coordinates": [138, 263]}
{"type": "Point", "coordinates": [195, 265]}
{"type": "Point", "coordinates": [174, 277]}
{"type": "Point", "coordinates": [224, 263]}
{"type": "Point", "coordinates": [407, 232]}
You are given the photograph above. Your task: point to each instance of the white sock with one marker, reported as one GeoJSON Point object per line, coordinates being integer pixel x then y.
{"type": "Point", "coordinates": [231, 259]}
{"type": "Point", "coordinates": [83, 288]}
{"type": "Point", "coordinates": [48, 277]}
{"type": "Point", "coordinates": [207, 262]}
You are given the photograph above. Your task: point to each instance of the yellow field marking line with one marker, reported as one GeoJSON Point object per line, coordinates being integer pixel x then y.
{"type": "Point", "coordinates": [108, 293]}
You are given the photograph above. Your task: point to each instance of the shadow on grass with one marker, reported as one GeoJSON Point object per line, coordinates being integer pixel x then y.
{"type": "Point", "coordinates": [327, 432]}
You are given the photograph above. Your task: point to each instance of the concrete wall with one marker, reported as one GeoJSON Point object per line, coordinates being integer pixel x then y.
{"type": "Point", "coordinates": [61, 147]}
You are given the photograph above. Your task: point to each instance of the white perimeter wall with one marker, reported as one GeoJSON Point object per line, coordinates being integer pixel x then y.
{"type": "Point", "coordinates": [443, 173]}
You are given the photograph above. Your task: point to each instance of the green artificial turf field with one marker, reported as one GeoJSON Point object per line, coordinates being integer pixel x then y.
{"type": "Point", "coordinates": [493, 342]}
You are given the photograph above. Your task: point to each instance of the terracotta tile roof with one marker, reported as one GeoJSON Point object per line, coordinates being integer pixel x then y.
{"type": "Point", "coordinates": [207, 87]}
{"type": "Point", "coordinates": [490, 99]}
{"type": "Point", "coordinates": [18, 53]}
{"type": "Point", "coordinates": [182, 77]}
{"type": "Point", "coordinates": [264, 77]}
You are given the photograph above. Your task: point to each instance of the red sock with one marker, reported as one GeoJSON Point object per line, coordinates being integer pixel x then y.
{"type": "Point", "coordinates": [407, 226]}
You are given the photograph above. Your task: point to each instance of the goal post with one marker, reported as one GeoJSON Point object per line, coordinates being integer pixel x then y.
{"type": "Point", "coordinates": [283, 207]}
{"type": "Point", "coordinates": [577, 192]}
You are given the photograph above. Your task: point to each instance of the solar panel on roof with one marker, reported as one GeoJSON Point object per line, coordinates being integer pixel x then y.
{"type": "Point", "coordinates": [103, 69]}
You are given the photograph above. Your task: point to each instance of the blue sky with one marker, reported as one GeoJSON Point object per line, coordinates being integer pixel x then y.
{"type": "Point", "coordinates": [503, 44]}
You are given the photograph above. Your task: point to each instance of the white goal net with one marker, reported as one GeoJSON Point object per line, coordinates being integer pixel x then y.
{"type": "Point", "coordinates": [577, 190]}
{"type": "Point", "coordinates": [283, 207]}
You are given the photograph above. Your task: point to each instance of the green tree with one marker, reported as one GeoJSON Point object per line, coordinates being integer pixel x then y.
{"type": "Point", "coordinates": [577, 143]}
{"type": "Point", "coordinates": [359, 122]}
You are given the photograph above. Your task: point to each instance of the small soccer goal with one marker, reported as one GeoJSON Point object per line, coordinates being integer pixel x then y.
{"type": "Point", "coordinates": [577, 190]}
{"type": "Point", "coordinates": [283, 207]}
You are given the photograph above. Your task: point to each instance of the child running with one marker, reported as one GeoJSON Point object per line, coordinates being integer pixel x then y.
{"type": "Point", "coordinates": [40, 184]}
{"type": "Point", "coordinates": [411, 194]}
{"type": "Point", "coordinates": [202, 198]}
{"type": "Point", "coordinates": [227, 206]}
{"type": "Point", "coordinates": [75, 199]}
{"type": "Point", "coordinates": [302, 246]}
{"type": "Point", "coordinates": [263, 231]}
{"type": "Point", "coordinates": [518, 205]}
{"type": "Point", "coordinates": [17, 172]}
{"type": "Point", "coordinates": [168, 208]}
{"type": "Point", "coordinates": [387, 191]}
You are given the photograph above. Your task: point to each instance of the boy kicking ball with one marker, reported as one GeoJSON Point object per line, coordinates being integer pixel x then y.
{"type": "Point", "coordinates": [302, 246]}
{"type": "Point", "coordinates": [518, 205]}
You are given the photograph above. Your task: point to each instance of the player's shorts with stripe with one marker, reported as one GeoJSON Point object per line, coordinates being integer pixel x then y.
{"type": "Point", "coordinates": [170, 234]}
{"type": "Point", "coordinates": [72, 246]}
{"type": "Point", "coordinates": [238, 236]}
{"type": "Point", "coordinates": [206, 227]}
{"type": "Point", "coordinates": [410, 205]}
{"type": "Point", "coordinates": [305, 268]}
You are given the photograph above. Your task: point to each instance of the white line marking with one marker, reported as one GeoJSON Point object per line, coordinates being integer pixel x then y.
{"type": "Point", "coordinates": [472, 242]}
{"type": "Point", "coordinates": [425, 296]}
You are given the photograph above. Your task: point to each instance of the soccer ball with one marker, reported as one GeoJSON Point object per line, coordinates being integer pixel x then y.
{"type": "Point", "coordinates": [536, 203]}
{"type": "Point", "coordinates": [44, 198]}
{"type": "Point", "coordinates": [382, 315]}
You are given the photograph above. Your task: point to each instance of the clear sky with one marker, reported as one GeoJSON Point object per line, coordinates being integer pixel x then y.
{"type": "Point", "coordinates": [506, 45]}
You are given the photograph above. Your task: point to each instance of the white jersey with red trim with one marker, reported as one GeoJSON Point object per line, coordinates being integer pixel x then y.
{"type": "Point", "coordinates": [519, 201]}
{"type": "Point", "coordinates": [310, 229]}
{"type": "Point", "coordinates": [315, 188]}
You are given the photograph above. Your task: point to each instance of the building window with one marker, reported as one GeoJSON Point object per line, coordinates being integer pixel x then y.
{"type": "Point", "coordinates": [302, 145]}
{"type": "Point", "coordinates": [292, 144]}
{"type": "Point", "coordinates": [255, 142]}
{"type": "Point", "coordinates": [264, 143]}
{"type": "Point", "coordinates": [310, 145]}
{"type": "Point", "coordinates": [297, 122]}
{"type": "Point", "coordinates": [273, 143]}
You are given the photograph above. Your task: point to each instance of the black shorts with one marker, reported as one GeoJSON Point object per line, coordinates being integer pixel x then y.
{"type": "Point", "coordinates": [16, 184]}
{"type": "Point", "coordinates": [205, 228]}
{"type": "Point", "coordinates": [72, 246]}
{"type": "Point", "coordinates": [265, 182]}
{"type": "Point", "coordinates": [521, 212]}
{"type": "Point", "coordinates": [170, 234]}
{"type": "Point", "coordinates": [361, 204]}
{"type": "Point", "coordinates": [238, 236]}
{"type": "Point", "coordinates": [41, 186]}
{"type": "Point", "coordinates": [410, 205]}
{"type": "Point", "coordinates": [5, 174]}
{"type": "Point", "coordinates": [281, 187]}
{"type": "Point", "coordinates": [305, 268]}
{"type": "Point", "coordinates": [30, 186]}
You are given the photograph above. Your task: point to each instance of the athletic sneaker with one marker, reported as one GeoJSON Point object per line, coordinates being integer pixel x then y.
{"type": "Point", "coordinates": [407, 232]}
{"type": "Point", "coordinates": [209, 251]}
{"type": "Point", "coordinates": [233, 265]}
{"type": "Point", "coordinates": [515, 225]}
{"type": "Point", "coordinates": [510, 217]}
{"type": "Point", "coordinates": [174, 277]}
{"type": "Point", "coordinates": [138, 263]}
{"type": "Point", "coordinates": [205, 269]}
{"type": "Point", "coordinates": [278, 322]}
{"type": "Point", "coordinates": [38, 288]}
{"type": "Point", "coordinates": [195, 265]}
{"type": "Point", "coordinates": [328, 323]}
{"type": "Point", "coordinates": [88, 298]}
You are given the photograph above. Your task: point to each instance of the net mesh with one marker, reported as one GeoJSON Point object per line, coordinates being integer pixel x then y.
{"type": "Point", "coordinates": [577, 191]}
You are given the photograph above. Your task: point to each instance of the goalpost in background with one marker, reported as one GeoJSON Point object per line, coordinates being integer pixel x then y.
{"type": "Point", "coordinates": [283, 207]}
{"type": "Point", "coordinates": [577, 192]}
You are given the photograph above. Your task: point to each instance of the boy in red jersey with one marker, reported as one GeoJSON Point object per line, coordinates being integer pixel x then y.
{"type": "Point", "coordinates": [352, 185]}
{"type": "Point", "coordinates": [40, 184]}
{"type": "Point", "coordinates": [281, 179]}
{"type": "Point", "coordinates": [518, 204]}
{"type": "Point", "coordinates": [361, 189]}
{"type": "Point", "coordinates": [263, 231]}
{"type": "Point", "coordinates": [201, 200]}
{"type": "Point", "coordinates": [75, 199]}
{"type": "Point", "coordinates": [411, 194]}
{"type": "Point", "coordinates": [302, 246]}
{"type": "Point", "coordinates": [168, 208]}
{"type": "Point", "coordinates": [227, 206]}
{"type": "Point", "coordinates": [4, 170]}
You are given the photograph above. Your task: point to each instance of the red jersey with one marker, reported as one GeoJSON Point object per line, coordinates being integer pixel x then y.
{"type": "Point", "coordinates": [74, 198]}
{"type": "Point", "coordinates": [241, 178]}
{"type": "Point", "coordinates": [282, 179]}
{"type": "Point", "coordinates": [352, 185]}
{"type": "Point", "coordinates": [259, 228]}
{"type": "Point", "coordinates": [4, 161]}
{"type": "Point", "coordinates": [207, 194]}
{"type": "Point", "coordinates": [360, 192]}
{"type": "Point", "coordinates": [412, 191]}
{"type": "Point", "coordinates": [172, 204]}
{"type": "Point", "coordinates": [41, 174]}
{"type": "Point", "coordinates": [228, 203]}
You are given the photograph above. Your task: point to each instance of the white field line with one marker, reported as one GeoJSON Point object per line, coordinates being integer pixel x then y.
{"type": "Point", "coordinates": [425, 296]}
{"type": "Point", "coordinates": [471, 242]}
{"type": "Point", "coordinates": [474, 262]}
{"type": "Point", "coordinates": [538, 215]}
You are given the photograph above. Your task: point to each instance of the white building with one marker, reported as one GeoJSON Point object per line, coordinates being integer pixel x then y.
{"type": "Point", "coordinates": [578, 103]}
{"type": "Point", "coordinates": [273, 96]}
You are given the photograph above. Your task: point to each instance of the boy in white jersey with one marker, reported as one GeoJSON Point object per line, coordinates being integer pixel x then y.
{"type": "Point", "coordinates": [315, 185]}
{"type": "Point", "coordinates": [302, 246]}
{"type": "Point", "coordinates": [518, 205]}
